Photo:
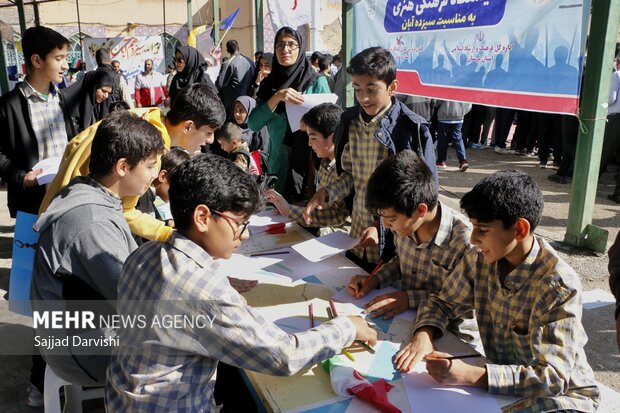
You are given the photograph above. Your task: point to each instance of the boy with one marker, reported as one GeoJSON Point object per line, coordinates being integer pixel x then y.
{"type": "Point", "coordinates": [34, 121]}
{"type": "Point", "coordinates": [367, 134]}
{"type": "Point", "coordinates": [84, 239]}
{"type": "Point", "coordinates": [527, 303]}
{"type": "Point", "coordinates": [320, 123]}
{"type": "Point", "coordinates": [189, 123]}
{"type": "Point", "coordinates": [430, 238]}
{"type": "Point", "coordinates": [156, 368]}
{"type": "Point", "coordinates": [231, 140]}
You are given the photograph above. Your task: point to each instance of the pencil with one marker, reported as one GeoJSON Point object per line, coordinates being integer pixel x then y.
{"type": "Point", "coordinates": [263, 254]}
{"type": "Point", "coordinates": [366, 346]}
{"type": "Point", "coordinates": [333, 307]}
{"type": "Point", "coordinates": [466, 356]}
{"type": "Point", "coordinates": [330, 314]}
{"type": "Point", "coordinates": [311, 315]}
{"type": "Point", "coordinates": [372, 274]}
{"type": "Point", "coordinates": [349, 355]}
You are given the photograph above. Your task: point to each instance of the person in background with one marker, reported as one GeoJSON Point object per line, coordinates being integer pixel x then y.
{"type": "Point", "coordinates": [235, 76]}
{"type": "Point", "coordinates": [191, 68]}
{"type": "Point", "coordinates": [263, 69]}
{"type": "Point", "coordinates": [120, 89]}
{"type": "Point", "coordinates": [336, 65]}
{"type": "Point", "coordinates": [150, 87]}
{"type": "Point", "coordinates": [257, 141]}
{"type": "Point", "coordinates": [314, 60]}
{"type": "Point", "coordinates": [86, 98]}
{"type": "Point", "coordinates": [324, 70]}
{"type": "Point", "coordinates": [291, 76]}
{"type": "Point", "coordinates": [231, 141]}
{"type": "Point", "coordinates": [450, 115]}
{"type": "Point", "coordinates": [171, 70]}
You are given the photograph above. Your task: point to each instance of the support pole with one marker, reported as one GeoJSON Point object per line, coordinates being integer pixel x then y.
{"type": "Point", "coordinates": [603, 32]}
{"type": "Point", "coordinates": [77, 6]}
{"type": "Point", "coordinates": [21, 15]}
{"type": "Point", "coordinates": [347, 47]}
{"type": "Point", "coordinates": [260, 34]}
{"type": "Point", "coordinates": [4, 77]}
{"type": "Point", "coordinates": [37, 18]}
{"type": "Point", "coordinates": [216, 21]}
{"type": "Point", "coordinates": [190, 22]}
{"type": "Point", "coordinates": [165, 37]}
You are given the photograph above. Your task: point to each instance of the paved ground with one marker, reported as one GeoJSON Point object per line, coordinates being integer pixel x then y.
{"type": "Point", "coordinates": [601, 350]}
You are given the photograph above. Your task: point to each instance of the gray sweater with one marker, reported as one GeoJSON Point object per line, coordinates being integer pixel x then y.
{"type": "Point", "coordinates": [84, 241]}
{"type": "Point", "coordinates": [448, 110]}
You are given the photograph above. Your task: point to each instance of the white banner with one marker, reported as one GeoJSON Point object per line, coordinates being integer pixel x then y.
{"type": "Point", "coordinates": [131, 52]}
{"type": "Point", "coordinates": [291, 13]}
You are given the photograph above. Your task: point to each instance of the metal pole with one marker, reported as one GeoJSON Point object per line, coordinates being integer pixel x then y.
{"type": "Point", "coordinates": [216, 21]}
{"type": "Point", "coordinates": [603, 32]}
{"type": "Point", "coordinates": [260, 35]}
{"type": "Point", "coordinates": [190, 23]}
{"type": "Point", "coordinates": [347, 47]}
{"type": "Point", "coordinates": [165, 37]}
{"type": "Point", "coordinates": [77, 6]}
{"type": "Point", "coordinates": [37, 19]}
{"type": "Point", "coordinates": [21, 15]}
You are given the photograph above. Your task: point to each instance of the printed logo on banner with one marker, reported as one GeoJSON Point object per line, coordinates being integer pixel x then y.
{"type": "Point", "coordinates": [421, 15]}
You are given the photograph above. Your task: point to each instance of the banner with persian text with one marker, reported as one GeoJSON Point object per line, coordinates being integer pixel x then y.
{"type": "Point", "coordinates": [524, 54]}
{"type": "Point", "coordinates": [131, 52]}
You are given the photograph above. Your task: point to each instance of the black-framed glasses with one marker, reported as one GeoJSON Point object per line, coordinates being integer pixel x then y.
{"type": "Point", "coordinates": [290, 44]}
{"type": "Point", "coordinates": [240, 225]}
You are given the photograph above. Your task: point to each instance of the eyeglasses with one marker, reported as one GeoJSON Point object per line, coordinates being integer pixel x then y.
{"type": "Point", "coordinates": [240, 225]}
{"type": "Point", "coordinates": [291, 45]}
{"type": "Point", "coordinates": [178, 59]}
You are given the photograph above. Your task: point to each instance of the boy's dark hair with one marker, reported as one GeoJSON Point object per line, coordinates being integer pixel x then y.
{"type": "Point", "coordinates": [198, 103]}
{"type": "Point", "coordinates": [229, 132]}
{"type": "Point", "coordinates": [316, 55]}
{"type": "Point", "coordinates": [175, 157]}
{"type": "Point", "coordinates": [324, 62]}
{"type": "Point", "coordinates": [103, 56]}
{"type": "Point", "coordinates": [41, 41]}
{"type": "Point", "coordinates": [232, 46]}
{"type": "Point", "coordinates": [401, 182]}
{"type": "Point", "coordinates": [505, 196]}
{"type": "Point", "coordinates": [122, 135]}
{"type": "Point", "coordinates": [120, 105]}
{"type": "Point", "coordinates": [211, 180]}
{"type": "Point", "coordinates": [323, 118]}
{"type": "Point", "coordinates": [375, 62]}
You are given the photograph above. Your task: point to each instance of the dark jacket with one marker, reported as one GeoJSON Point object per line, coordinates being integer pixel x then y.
{"type": "Point", "coordinates": [614, 272]}
{"type": "Point", "coordinates": [401, 129]}
{"type": "Point", "coordinates": [19, 150]}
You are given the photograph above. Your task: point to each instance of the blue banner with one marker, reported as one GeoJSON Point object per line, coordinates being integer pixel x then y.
{"type": "Point", "coordinates": [524, 54]}
{"type": "Point", "coordinates": [420, 15]}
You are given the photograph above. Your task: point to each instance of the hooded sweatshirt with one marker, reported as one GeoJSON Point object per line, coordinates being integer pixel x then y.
{"type": "Point", "coordinates": [84, 241]}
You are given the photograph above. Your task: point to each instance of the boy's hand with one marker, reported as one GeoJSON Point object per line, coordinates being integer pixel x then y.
{"type": "Point", "coordinates": [364, 331]}
{"type": "Point", "coordinates": [454, 372]}
{"type": "Point", "coordinates": [242, 286]}
{"type": "Point", "coordinates": [278, 200]}
{"type": "Point", "coordinates": [388, 305]}
{"type": "Point", "coordinates": [30, 179]}
{"type": "Point", "coordinates": [421, 344]}
{"type": "Point", "coordinates": [317, 202]}
{"type": "Point", "coordinates": [370, 237]}
{"type": "Point", "coordinates": [355, 285]}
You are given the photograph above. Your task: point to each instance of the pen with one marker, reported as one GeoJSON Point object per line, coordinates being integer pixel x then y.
{"type": "Point", "coordinates": [311, 315]}
{"type": "Point", "coordinates": [333, 307]}
{"type": "Point", "coordinates": [366, 346]}
{"type": "Point", "coordinates": [372, 274]}
{"type": "Point", "coordinates": [263, 254]}
{"type": "Point", "coordinates": [466, 356]}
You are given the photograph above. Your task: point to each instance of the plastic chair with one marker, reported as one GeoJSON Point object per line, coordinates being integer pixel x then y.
{"type": "Point", "coordinates": [74, 394]}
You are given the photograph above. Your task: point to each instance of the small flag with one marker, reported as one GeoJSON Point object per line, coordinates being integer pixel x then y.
{"type": "Point", "coordinates": [228, 22]}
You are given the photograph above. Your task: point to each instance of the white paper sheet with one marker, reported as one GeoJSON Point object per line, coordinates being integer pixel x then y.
{"type": "Point", "coordinates": [318, 249]}
{"type": "Point", "coordinates": [50, 169]}
{"type": "Point", "coordinates": [266, 217]}
{"type": "Point", "coordinates": [344, 297]}
{"type": "Point", "coordinates": [294, 113]}
{"type": "Point", "coordinates": [427, 396]}
{"type": "Point", "coordinates": [295, 266]}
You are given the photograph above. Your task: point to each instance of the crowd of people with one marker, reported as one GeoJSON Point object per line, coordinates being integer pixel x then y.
{"type": "Point", "coordinates": [370, 170]}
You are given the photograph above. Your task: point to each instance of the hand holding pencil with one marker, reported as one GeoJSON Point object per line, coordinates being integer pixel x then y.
{"type": "Point", "coordinates": [360, 285]}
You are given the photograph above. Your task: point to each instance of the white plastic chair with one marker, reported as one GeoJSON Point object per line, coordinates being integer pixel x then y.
{"type": "Point", "coordinates": [74, 394]}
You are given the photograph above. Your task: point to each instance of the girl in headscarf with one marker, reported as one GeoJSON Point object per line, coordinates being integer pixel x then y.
{"type": "Point", "coordinates": [257, 141]}
{"type": "Point", "coordinates": [291, 76]}
{"type": "Point", "coordinates": [191, 68]}
{"type": "Point", "coordinates": [263, 68]}
{"type": "Point", "coordinates": [87, 96]}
